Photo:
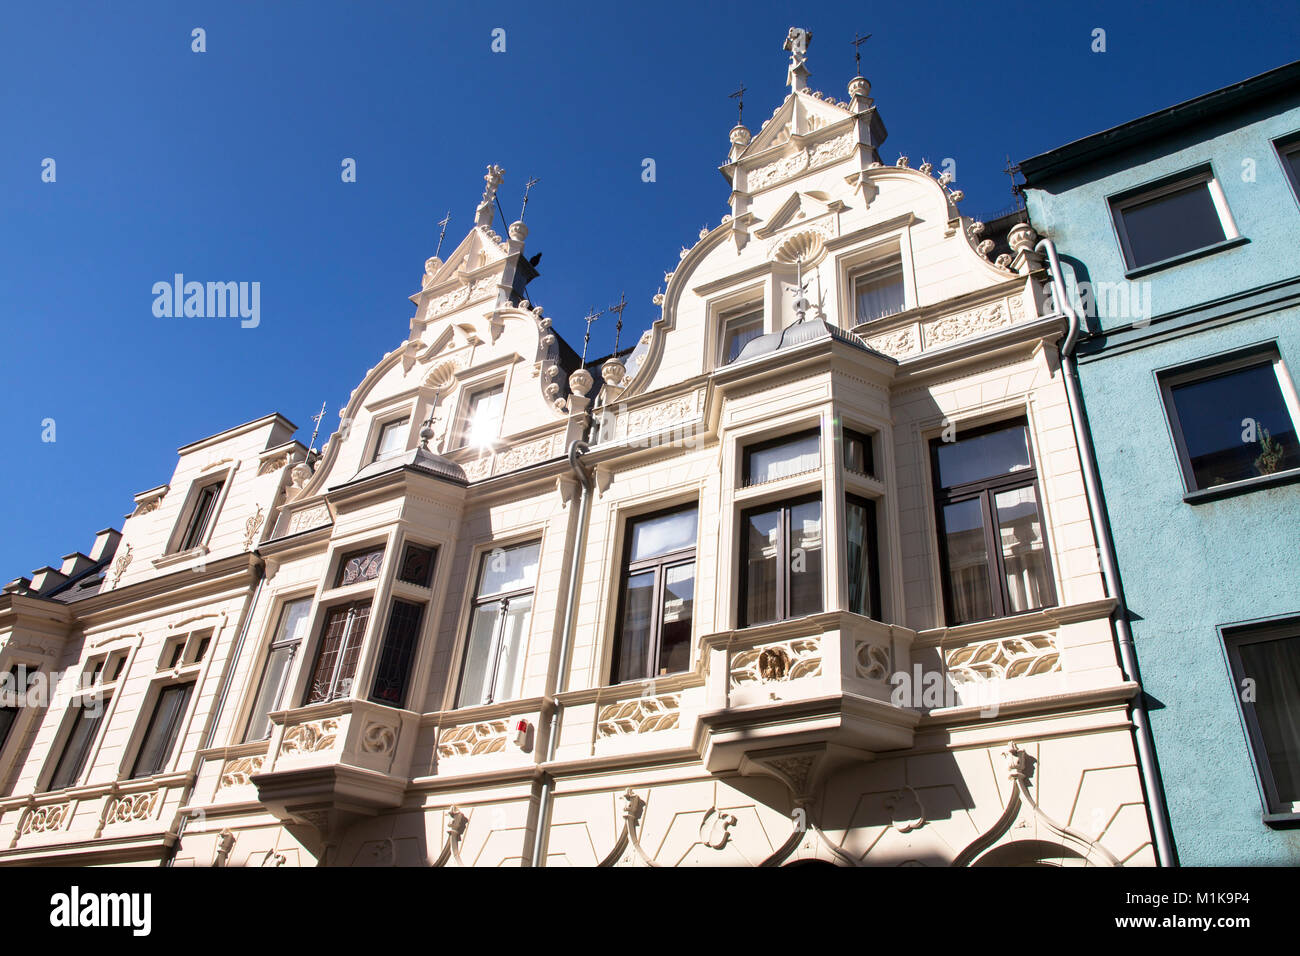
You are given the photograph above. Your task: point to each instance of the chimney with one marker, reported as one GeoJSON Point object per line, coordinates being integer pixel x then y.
{"type": "Point", "coordinates": [105, 545]}
{"type": "Point", "coordinates": [46, 579]}
{"type": "Point", "coordinates": [75, 563]}
{"type": "Point", "coordinates": [18, 586]}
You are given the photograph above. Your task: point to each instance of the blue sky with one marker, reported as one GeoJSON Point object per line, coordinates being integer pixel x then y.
{"type": "Point", "coordinates": [225, 166]}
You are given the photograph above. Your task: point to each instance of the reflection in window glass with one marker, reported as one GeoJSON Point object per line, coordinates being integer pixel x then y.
{"type": "Point", "coordinates": [878, 294]}
{"type": "Point", "coordinates": [1215, 416]}
{"type": "Point", "coordinates": [499, 625]}
{"type": "Point", "coordinates": [782, 562]}
{"type": "Point", "coordinates": [863, 560]}
{"type": "Point", "coordinates": [658, 599]}
{"type": "Point", "coordinates": [968, 560]}
{"type": "Point", "coordinates": [983, 456]}
{"type": "Point", "coordinates": [1274, 666]}
{"type": "Point", "coordinates": [392, 439]}
{"type": "Point", "coordinates": [790, 456]}
{"type": "Point", "coordinates": [483, 418]}
{"type": "Point", "coordinates": [739, 333]}
{"type": "Point", "coordinates": [1024, 554]}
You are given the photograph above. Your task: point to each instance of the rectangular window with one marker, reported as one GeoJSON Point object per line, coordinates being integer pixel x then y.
{"type": "Point", "coordinates": [498, 630]}
{"type": "Point", "coordinates": [482, 423]}
{"type": "Point", "coordinates": [863, 557]}
{"type": "Point", "coordinates": [356, 567]}
{"type": "Point", "coordinates": [658, 599]}
{"type": "Point", "coordinates": [781, 561]}
{"type": "Point", "coordinates": [201, 516]}
{"type": "Point", "coordinates": [13, 696]}
{"type": "Point", "coordinates": [1172, 220]}
{"type": "Point", "coordinates": [396, 654]}
{"type": "Point", "coordinates": [392, 439]}
{"type": "Point", "coordinates": [782, 457]}
{"type": "Point", "coordinates": [859, 455]}
{"type": "Point", "coordinates": [991, 543]}
{"type": "Point", "coordinates": [737, 332]}
{"type": "Point", "coordinates": [340, 648]}
{"type": "Point", "coordinates": [289, 634]}
{"type": "Point", "coordinates": [1231, 421]}
{"type": "Point", "coordinates": [1269, 657]}
{"type": "Point", "coordinates": [81, 737]}
{"type": "Point", "coordinates": [1289, 152]}
{"type": "Point", "coordinates": [878, 292]}
{"type": "Point", "coordinates": [417, 565]}
{"type": "Point", "coordinates": [164, 727]}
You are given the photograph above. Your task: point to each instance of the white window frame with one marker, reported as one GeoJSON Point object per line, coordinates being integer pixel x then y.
{"type": "Point", "coordinates": [1169, 379]}
{"type": "Point", "coordinates": [197, 487]}
{"type": "Point", "coordinates": [469, 394]}
{"type": "Point", "coordinates": [1179, 183]}
{"type": "Point", "coordinates": [873, 271]}
{"type": "Point", "coordinates": [381, 428]}
{"type": "Point", "coordinates": [744, 315]}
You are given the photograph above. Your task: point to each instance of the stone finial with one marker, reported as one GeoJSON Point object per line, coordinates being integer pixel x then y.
{"type": "Point", "coordinates": [740, 136]}
{"type": "Point", "coordinates": [613, 372]}
{"type": "Point", "coordinates": [1021, 238]}
{"type": "Point", "coordinates": [484, 215]}
{"type": "Point", "coordinates": [580, 382]}
{"type": "Point", "coordinates": [860, 93]}
{"type": "Point", "coordinates": [518, 231]}
{"type": "Point", "coordinates": [796, 44]}
{"type": "Point", "coordinates": [1020, 765]}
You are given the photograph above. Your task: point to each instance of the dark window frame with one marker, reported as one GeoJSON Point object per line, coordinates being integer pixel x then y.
{"type": "Point", "coordinates": [875, 591]}
{"type": "Point", "coordinates": [985, 491]}
{"type": "Point", "coordinates": [783, 589]}
{"type": "Point", "coordinates": [1284, 147]}
{"type": "Point", "coordinates": [200, 515]}
{"type": "Point", "coordinates": [407, 547]}
{"type": "Point", "coordinates": [1202, 175]}
{"type": "Point", "coordinates": [79, 761]}
{"type": "Point", "coordinates": [397, 654]}
{"type": "Point", "coordinates": [1217, 366]}
{"type": "Point", "coordinates": [660, 564]}
{"type": "Point", "coordinates": [748, 451]}
{"type": "Point", "coordinates": [867, 440]}
{"type": "Point", "coordinates": [1232, 637]}
{"type": "Point", "coordinates": [382, 430]}
{"type": "Point", "coordinates": [380, 549]}
{"type": "Point", "coordinates": [173, 729]}
{"type": "Point", "coordinates": [351, 608]}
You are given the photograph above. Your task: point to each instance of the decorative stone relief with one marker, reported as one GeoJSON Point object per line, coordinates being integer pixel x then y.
{"type": "Point", "coordinates": [458, 297]}
{"type": "Point", "coordinates": [781, 661]}
{"type": "Point", "coordinates": [627, 850]}
{"type": "Point", "coordinates": [311, 737]}
{"type": "Point", "coordinates": [1003, 659]}
{"type": "Point", "coordinates": [121, 564]}
{"type": "Point", "coordinates": [131, 807]}
{"type": "Point", "coordinates": [905, 810]}
{"type": "Point", "coordinates": [665, 414]}
{"type": "Point", "coordinates": [774, 172]}
{"type": "Point", "coordinates": [715, 828]}
{"type": "Point", "coordinates": [896, 344]}
{"type": "Point", "coordinates": [239, 772]}
{"type": "Point", "coordinates": [831, 150]}
{"type": "Point", "coordinates": [640, 715]}
{"type": "Point", "coordinates": [150, 504]}
{"type": "Point", "coordinates": [45, 819]}
{"type": "Point", "coordinates": [379, 738]}
{"type": "Point", "coordinates": [972, 322]}
{"type": "Point", "coordinates": [252, 526]}
{"type": "Point", "coordinates": [477, 468]}
{"type": "Point", "coordinates": [871, 661]}
{"type": "Point", "coordinates": [273, 464]}
{"type": "Point", "coordinates": [309, 518]}
{"type": "Point", "coordinates": [470, 740]}
{"type": "Point", "coordinates": [528, 453]}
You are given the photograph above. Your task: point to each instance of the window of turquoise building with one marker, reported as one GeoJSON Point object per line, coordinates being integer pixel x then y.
{"type": "Point", "coordinates": [1288, 151]}
{"type": "Point", "coordinates": [1172, 219]}
{"type": "Point", "coordinates": [1232, 420]}
{"type": "Point", "coordinates": [1265, 663]}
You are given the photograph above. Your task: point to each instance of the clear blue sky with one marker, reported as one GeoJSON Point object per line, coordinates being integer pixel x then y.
{"type": "Point", "coordinates": [225, 165]}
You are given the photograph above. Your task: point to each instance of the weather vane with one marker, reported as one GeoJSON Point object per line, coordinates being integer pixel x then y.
{"type": "Point", "coordinates": [1011, 169]}
{"type": "Point", "coordinates": [739, 97]}
{"type": "Point", "coordinates": [618, 308]}
{"type": "Point", "coordinates": [316, 431]}
{"type": "Point", "coordinates": [527, 186]}
{"type": "Point", "coordinates": [857, 42]}
{"type": "Point", "coordinates": [442, 222]}
{"type": "Point", "coordinates": [592, 316]}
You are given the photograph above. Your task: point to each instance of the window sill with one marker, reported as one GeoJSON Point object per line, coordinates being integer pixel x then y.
{"type": "Point", "coordinates": [1282, 821]}
{"type": "Point", "coordinates": [1185, 257]}
{"type": "Point", "coordinates": [1243, 487]}
{"type": "Point", "coordinates": [180, 557]}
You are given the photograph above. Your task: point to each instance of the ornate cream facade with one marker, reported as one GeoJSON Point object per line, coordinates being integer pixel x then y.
{"type": "Point", "coordinates": [773, 743]}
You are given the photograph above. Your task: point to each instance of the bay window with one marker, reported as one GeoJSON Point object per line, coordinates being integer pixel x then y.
{"type": "Point", "coordinates": [781, 561]}
{"type": "Point", "coordinates": [395, 655]}
{"type": "Point", "coordinates": [339, 651]}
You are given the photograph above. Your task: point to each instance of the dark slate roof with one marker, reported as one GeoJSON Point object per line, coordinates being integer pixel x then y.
{"type": "Point", "coordinates": [419, 458]}
{"type": "Point", "coordinates": [809, 330]}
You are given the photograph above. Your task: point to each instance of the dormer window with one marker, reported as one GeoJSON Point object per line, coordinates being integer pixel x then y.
{"type": "Point", "coordinates": [737, 332]}
{"type": "Point", "coordinates": [392, 439]}
{"type": "Point", "coordinates": [878, 292]}
{"type": "Point", "coordinates": [201, 513]}
{"type": "Point", "coordinates": [482, 422]}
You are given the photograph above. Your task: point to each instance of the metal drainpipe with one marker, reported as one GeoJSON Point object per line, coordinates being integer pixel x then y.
{"type": "Point", "coordinates": [226, 680]}
{"type": "Point", "coordinates": [1151, 783]}
{"type": "Point", "coordinates": [577, 448]}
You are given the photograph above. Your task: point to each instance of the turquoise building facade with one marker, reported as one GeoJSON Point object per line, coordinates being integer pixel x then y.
{"type": "Point", "coordinates": [1179, 241]}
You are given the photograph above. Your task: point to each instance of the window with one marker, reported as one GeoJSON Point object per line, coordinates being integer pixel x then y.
{"type": "Point", "coordinates": [417, 565]}
{"type": "Point", "coordinates": [395, 655]}
{"type": "Point", "coordinates": [1172, 220]}
{"type": "Point", "coordinates": [392, 439]}
{"type": "Point", "coordinates": [482, 423]}
{"type": "Point", "coordinates": [340, 647]}
{"type": "Point", "coordinates": [164, 727]}
{"type": "Point", "coordinates": [781, 561]}
{"type": "Point", "coordinates": [205, 503]}
{"type": "Point", "coordinates": [878, 292]}
{"type": "Point", "coordinates": [289, 634]}
{"type": "Point", "coordinates": [1269, 656]}
{"type": "Point", "coordinates": [356, 567]}
{"type": "Point", "coordinates": [1231, 421]}
{"type": "Point", "coordinates": [863, 557]}
{"type": "Point", "coordinates": [656, 606]}
{"type": "Point", "coordinates": [737, 332]}
{"type": "Point", "coordinates": [498, 630]}
{"type": "Point", "coordinates": [991, 543]}
{"type": "Point", "coordinates": [13, 697]}
{"type": "Point", "coordinates": [859, 454]}
{"type": "Point", "coordinates": [782, 457]}
{"type": "Point", "coordinates": [81, 737]}
{"type": "Point", "coordinates": [1289, 153]}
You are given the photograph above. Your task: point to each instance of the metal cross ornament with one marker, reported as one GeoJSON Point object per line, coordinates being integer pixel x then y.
{"type": "Point", "coordinates": [527, 186]}
{"type": "Point", "coordinates": [316, 431]}
{"type": "Point", "coordinates": [618, 308]}
{"type": "Point", "coordinates": [739, 96]}
{"type": "Point", "coordinates": [592, 316]}
{"type": "Point", "coordinates": [442, 222]}
{"type": "Point", "coordinates": [857, 42]}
